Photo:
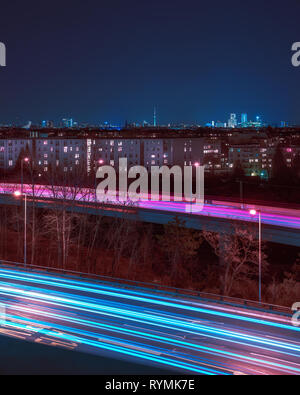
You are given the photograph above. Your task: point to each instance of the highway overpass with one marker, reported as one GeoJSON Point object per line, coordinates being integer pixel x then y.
{"type": "Point", "coordinates": [171, 331]}
{"type": "Point", "coordinates": [280, 225]}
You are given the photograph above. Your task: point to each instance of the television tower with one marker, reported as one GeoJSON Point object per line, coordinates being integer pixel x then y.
{"type": "Point", "coordinates": [154, 117]}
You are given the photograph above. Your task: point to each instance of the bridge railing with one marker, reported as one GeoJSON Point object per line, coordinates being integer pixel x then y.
{"type": "Point", "coordinates": [157, 288]}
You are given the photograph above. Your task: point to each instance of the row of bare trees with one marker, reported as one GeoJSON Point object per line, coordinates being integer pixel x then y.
{"type": "Point", "coordinates": [225, 263]}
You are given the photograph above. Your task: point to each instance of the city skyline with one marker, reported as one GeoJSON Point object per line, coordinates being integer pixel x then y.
{"type": "Point", "coordinates": [113, 62]}
{"type": "Point", "coordinates": [243, 119]}
{"type": "Point", "coordinates": [149, 190]}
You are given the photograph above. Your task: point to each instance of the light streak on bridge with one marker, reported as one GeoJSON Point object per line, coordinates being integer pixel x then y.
{"type": "Point", "coordinates": [289, 218]}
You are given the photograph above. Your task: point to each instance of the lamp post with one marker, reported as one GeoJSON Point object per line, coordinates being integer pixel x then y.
{"type": "Point", "coordinates": [241, 194]}
{"type": "Point", "coordinates": [254, 212]}
{"type": "Point", "coordinates": [26, 160]}
{"type": "Point", "coordinates": [18, 194]}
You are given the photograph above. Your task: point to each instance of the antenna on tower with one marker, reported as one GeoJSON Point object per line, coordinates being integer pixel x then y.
{"type": "Point", "coordinates": [154, 117]}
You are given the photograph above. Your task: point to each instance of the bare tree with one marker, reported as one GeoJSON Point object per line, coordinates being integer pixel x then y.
{"type": "Point", "coordinates": [59, 228]}
{"type": "Point", "coordinates": [180, 245]}
{"type": "Point", "coordinates": [239, 252]}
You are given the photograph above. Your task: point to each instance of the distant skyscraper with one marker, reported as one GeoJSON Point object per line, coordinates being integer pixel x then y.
{"type": "Point", "coordinates": [47, 124]}
{"type": "Point", "coordinates": [67, 123]}
{"type": "Point", "coordinates": [232, 122]}
{"type": "Point", "coordinates": [244, 119]}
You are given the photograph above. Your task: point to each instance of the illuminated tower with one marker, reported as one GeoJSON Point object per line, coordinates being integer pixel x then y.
{"type": "Point", "coordinates": [258, 120]}
{"type": "Point", "coordinates": [244, 119]}
{"type": "Point", "coordinates": [154, 117]}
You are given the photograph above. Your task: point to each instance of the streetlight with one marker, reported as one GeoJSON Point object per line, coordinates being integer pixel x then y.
{"type": "Point", "coordinates": [18, 194]}
{"type": "Point", "coordinates": [253, 213]}
{"type": "Point", "coordinates": [26, 160]}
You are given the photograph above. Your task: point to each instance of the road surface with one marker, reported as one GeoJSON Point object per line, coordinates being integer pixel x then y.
{"type": "Point", "coordinates": [180, 333]}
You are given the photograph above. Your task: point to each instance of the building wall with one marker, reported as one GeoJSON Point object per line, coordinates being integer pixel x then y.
{"type": "Point", "coordinates": [81, 154]}
{"type": "Point", "coordinates": [10, 151]}
{"type": "Point", "coordinates": [63, 154]}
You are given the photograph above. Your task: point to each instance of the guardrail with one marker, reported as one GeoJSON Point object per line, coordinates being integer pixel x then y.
{"type": "Point", "coordinates": [155, 287]}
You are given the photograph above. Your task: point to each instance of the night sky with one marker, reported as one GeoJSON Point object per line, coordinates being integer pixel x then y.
{"type": "Point", "coordinates": [114, 60]}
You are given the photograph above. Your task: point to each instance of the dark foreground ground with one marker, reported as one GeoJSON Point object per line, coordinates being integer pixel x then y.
{"type": "Point", "coordinates": [25, 358]}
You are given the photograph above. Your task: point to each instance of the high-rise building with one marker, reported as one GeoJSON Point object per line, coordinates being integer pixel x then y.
{"type": "Point", "coordinates": [232, 122]}
{"type": "Point", "coordinates": [67, 123]}
{"type": "Point", "coordinates": [47, 124]}
{"type": "Point", "coordinates": [244, 119]}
